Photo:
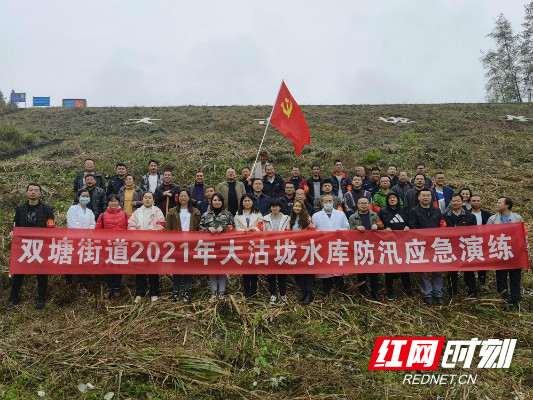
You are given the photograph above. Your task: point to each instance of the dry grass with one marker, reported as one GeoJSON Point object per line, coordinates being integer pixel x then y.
{"type": "Point", "coordinates": [234, 349]}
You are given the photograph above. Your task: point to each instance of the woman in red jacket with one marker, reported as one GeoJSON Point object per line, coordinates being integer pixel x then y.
{"type": "Point", "coordinates": [113, 218]}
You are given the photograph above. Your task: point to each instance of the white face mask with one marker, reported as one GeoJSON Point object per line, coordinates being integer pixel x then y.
{"type": "Point", "coordinates": [328, 207]}
{"type": "Point", "coordinates": [85, 200]}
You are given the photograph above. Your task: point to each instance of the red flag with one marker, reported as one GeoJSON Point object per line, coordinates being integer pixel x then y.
{"type": "Point", "coordinates": [288, 118]}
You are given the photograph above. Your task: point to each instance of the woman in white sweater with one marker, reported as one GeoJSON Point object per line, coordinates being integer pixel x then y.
{"type": "Point", "coordinates": [248, 219]}
{"type": "Point", "coordinates": [276, 221]}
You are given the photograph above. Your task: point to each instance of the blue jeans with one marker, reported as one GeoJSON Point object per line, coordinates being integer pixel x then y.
{"type": "Point", "coordinates": [217, 279]}
{"type": "Point", "coordinates": [431, 284]}
{"type": "Point", "coordinates": [176, 282]}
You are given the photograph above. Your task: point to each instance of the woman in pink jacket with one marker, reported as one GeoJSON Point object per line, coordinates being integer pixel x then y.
{"type": "Point", "coordinates": [147, 218]}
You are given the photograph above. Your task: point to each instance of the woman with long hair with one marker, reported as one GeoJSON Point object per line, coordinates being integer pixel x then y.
{"type": "Point", "coordinates": [300, 220]}
{"type": "Point", "coordinates": [248, 219]}
{"type": "Point", "coordinates": [276, 221]}
{"type": "Point", "coordinates": [217, 221]}
{"type": "Point", "coordinates": [184, 217]}
{"type": "Point", "coordinates": [113, 218]}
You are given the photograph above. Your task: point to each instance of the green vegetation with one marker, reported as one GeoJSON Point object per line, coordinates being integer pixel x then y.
{"type": "Point", "coordinates": [235, 349]}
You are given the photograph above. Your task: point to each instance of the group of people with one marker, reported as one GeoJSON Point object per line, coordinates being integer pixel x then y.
{"type": "Point", "coordinates": [263, 201]}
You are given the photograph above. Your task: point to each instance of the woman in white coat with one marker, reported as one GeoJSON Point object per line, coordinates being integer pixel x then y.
{"type": "Point", "coordinates": [329, 219]}
{"type": "Point", "coordinates": [248, 219]}
{"type": "Point", "coordinates": [150, 218]}
{"type": "Point", "coordinates": [276, 221]}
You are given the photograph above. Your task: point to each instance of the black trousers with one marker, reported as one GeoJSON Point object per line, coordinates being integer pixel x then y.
{"type": "Point", "coordinates": [282, 284]}
{"type": "Point", "coordinates": [374, 282]}
{"type": "Point", "coordinates": [482, 276]}
{"type": "Point", "coordinates": [406, 282]}
{"type": "Point", "coordinates": [306, 282]}
{"type": "Point", "coordinates": [515, 279]}
{"type": "Point", "coordinates": [141, 285]}
{"type": "Point", "coordinates": [470, 282]}
{"type": "Point", "coordinates": [250, 285]}
{"type": "Point", "coordinates": [42, 285]}
{"type": "Point", "coordinates": [114, 282]}
{"type": "Point", "coordinates": [337, 281]}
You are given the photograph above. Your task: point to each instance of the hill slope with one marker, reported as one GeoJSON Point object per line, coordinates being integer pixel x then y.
{"type": "Point", "coordinates": [233, 349]}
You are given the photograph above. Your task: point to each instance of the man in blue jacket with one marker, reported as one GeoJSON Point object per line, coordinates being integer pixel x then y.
{"type": "Point", "coordinates": [441, 192]}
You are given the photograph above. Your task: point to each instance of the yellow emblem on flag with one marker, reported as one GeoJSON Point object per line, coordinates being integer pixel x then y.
{"type": "Point", "coordinates": [287, 111]}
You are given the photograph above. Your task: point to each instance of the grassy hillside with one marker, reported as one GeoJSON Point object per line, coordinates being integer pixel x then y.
{"type": "Point", "coordinates": [233, 349]}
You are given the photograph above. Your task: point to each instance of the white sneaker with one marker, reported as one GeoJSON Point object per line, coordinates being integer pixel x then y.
{"type": "Point", "coordinates": [273, 299]}
{"type": "Point", "coordinates": [221, 296]}
{"type": "Point", "coordinates": [153, 299]}
{"type": "Point", "coordinates": [284, 299]}
{"type": "Point", "coordinates": [137, 299]}
{"type": "Point", "coordinates": [213, 296]}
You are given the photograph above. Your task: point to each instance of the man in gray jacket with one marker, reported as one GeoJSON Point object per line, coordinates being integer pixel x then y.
{"type": "Point", "coordinates": [232, 190]}
{"type": "Point", "coordinates": [505, 216]}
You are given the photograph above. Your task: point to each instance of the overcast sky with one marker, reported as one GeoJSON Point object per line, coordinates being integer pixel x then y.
{"type": "Point", "coordinates": [157, 53]}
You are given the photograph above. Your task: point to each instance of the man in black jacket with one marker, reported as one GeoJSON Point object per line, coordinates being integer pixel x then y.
{"type": "Point", "coordinates": [426, 215]}
{"type": "Point", "coordinates": [482, 216]}
{"type": "Point", "coordinates": [35, 214]}
{"type": "Point", "coordinates": [458, 216]}
{"type": "Point", "coordinates": [288, 198]}
{"type": "Point", "coordinates": [197, 189]}
{"type": "Point", "coordinates": [341, 182]}
{"type": "Point", "coordinates": [272, 183]}
{"type": "Point", "coordinates": [314, 182]}
{"type": "Point", "coordinates": [411, 197]}
{"type": "Point", "coordinates": [117, 182]}
{"type": "Point", "coordinates": [373, 185]}
{"type": "Point", "coordinates": [403, 185]}
{"type": "Point", "coordinates": [98, 202]}
{"type": "Point", "coordinates": [421, 169]}
{"type": "Point", "coordinates": [351, 197]}
{"type": "Point", "coordinates": [88, 168]}
{"type": "Point", "coordinates": [165, 194]}
{"type": "Point", "coordinates": [262, 201]}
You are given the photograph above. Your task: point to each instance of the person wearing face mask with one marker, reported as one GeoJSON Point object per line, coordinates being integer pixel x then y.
{"type": "Point", "coordinates": [329, 219]}
{"type": "Point", "coordinates": [130, 195]}
{"type": "Point", "coordinates": [248, 219]}
{"type": "Point", "coordinates": [300, 220]}
{"type": "Point", "coordinates": [97, 203]}
{"type": "Point", "coordinates": [147, 218]}
{"type": "Point", "coordinates": [183, 217]}
{"type": "Point", "coordinates": [217, 221]}
{"type": "Point", "coordinates": [79, 216]}
{"type": "Point", "coordinates": [113, 218]}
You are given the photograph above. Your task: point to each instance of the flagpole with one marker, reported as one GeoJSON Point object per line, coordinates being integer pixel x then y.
{"type": "Point", "coordinates": [264, 133]}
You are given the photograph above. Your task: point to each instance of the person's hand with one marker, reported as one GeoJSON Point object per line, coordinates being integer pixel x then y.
{"type": "Point", "coordinates": [388, 229]}
{"type": "Point", "coordinates": [220, 229]}
{"type": "Point", "coordinates": [406, 229]}
{"type": "Point", "coordinates": [374, 227]}
{"type": "Point", "coordinates": [167, 193]}
{"type": "Point", "coordinates": [10, 236]}
{"type": "Point", "coordinates": [212, 230]}
{"type": "Point", "coordinates": [361, 228]}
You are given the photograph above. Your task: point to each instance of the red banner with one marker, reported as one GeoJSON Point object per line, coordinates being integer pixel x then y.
{"type": "Point", "coordinates": [79, 251]}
